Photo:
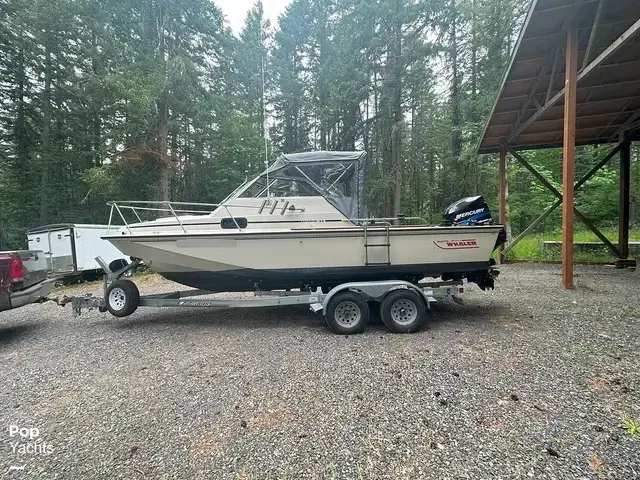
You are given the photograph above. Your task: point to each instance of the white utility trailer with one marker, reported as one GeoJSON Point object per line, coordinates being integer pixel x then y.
{"type": "Point", "coordinates": [403, 305]}
{"type": "Point", "coordinates": [72, 248]}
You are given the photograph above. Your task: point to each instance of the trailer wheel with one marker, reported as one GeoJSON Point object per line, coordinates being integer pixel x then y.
{"type": "Point", "coordinates": [123, 298]}
{"type": "Point", "coordinates": [347, 313]}
{"type": "Point", "coordinates": [403, 311]}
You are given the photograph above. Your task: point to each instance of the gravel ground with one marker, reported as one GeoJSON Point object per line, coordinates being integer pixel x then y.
{"type": "Point", "coordinates": [527, 381]}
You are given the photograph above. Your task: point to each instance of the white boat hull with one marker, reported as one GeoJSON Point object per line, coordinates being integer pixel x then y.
{"type": "Point", "coordinates": [307, 257]}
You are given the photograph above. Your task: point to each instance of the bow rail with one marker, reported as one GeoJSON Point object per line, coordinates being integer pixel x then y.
{"type": "Point", "coordinates": [173, 209]}
{"type": "Point", "coordinates": [166, 207]}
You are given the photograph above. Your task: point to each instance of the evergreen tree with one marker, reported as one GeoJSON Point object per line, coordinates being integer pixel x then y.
{"type": "Point", "coordinates": [157, 100]}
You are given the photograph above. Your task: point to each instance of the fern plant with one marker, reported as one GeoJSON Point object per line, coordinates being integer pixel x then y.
{"type": "Point", "coordinates": [632, 426]}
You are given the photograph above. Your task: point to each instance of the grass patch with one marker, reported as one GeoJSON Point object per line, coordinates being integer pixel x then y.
{"type": "Point", "coordinates": [632, 426]}
{"type": "Point", "coordinates": [530, 248]}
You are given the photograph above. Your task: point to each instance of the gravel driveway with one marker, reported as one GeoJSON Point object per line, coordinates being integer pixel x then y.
{"type": "Point", "coordinates": [527, 381]}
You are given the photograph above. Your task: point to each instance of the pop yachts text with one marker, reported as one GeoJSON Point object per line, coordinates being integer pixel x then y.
{"type": "Point", "coordinates": [33, 445]}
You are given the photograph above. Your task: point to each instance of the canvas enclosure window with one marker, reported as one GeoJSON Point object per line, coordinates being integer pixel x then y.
{"type": "Point", "coordinates": [336, 176]}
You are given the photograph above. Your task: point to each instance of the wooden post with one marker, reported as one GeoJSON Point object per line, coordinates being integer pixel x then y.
{"type": "Point", "coordinates": [502, 196]}
{"type": "Point", "coordinates": [568, 153]}
{"type": "Point", "coordinates": [625, 186]}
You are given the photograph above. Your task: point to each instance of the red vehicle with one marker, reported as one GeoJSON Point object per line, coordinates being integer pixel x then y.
{"type": "Point", "coordinates": [23, 278]}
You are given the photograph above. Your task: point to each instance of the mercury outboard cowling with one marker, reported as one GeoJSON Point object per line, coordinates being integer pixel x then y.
{"type": "Point", "coordinates": [468, 211]}
{"type": "Point", "coordinates": [471, 211]}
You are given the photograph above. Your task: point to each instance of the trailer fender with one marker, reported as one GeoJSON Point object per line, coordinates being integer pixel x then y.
{"type": "Point", "coordinates": [372, 290]}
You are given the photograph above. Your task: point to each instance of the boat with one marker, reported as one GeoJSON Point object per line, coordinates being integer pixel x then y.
{"type": "Point", "coordinates": [303, 224]}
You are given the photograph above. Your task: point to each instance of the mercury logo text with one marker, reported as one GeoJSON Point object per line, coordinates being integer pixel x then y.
{"type": "Point", "coordinates": [469, 213]}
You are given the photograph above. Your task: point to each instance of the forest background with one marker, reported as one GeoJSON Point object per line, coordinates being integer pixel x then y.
{"type": "Point", "coordinates": [158, 99]}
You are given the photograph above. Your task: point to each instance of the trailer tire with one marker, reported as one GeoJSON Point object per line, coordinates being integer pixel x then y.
{"type": "Point", "coordinates": [347, 313]}
{"type": "Point", "coordinates": [123, 298]}
{"type": "Point", "coordinates": [403, 311]}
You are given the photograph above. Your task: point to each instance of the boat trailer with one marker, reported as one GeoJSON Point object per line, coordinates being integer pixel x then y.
{"type": "Point", "coordinates": [403, 305]}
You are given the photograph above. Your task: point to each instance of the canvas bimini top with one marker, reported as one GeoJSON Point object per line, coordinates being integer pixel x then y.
{"type": "Point", "coordinates": [336, 176]}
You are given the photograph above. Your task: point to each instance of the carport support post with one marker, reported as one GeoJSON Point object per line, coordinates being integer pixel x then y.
{"type": "Point", "coordinates": [502, 196]}
{"type": "Point", "coordinates": [625, 184]}
{"type": "Point", "coordinates": [568, 153]}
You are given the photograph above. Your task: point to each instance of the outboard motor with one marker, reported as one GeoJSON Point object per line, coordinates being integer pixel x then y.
{"type": "Point", "coordinates": [468, 211]}
{"type": "Point", "coordinates": [474, 211]}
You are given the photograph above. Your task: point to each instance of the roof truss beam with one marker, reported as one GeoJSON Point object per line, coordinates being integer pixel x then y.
{"type": "Point", "coordinates": [561, 7]}
{"type": "Point", "coordinates": [541, 74]}
{"type": "Point", "coordinates": [584, 129]}
{"type": "Point", "coordinates": [607, 53]}
{"type": "Point", "coordinates": [538, 38]}
{"type": "Point", "coordinates": [622, 126]}
{"type": "Point", "coordinates": [561, 74]}
{"type": "Point", "coordinates": [607, 101]}
{"type": "Point", "coordinates": [592, 35]}
{"type": "Point", "coordinates": [588, 117]}
{"type": "Point", "coordinates": [587, 87]}
{"type": "Point", "coordinates": [552, 77]}
{"type": "Point", "coordinates": [614, 119]}
{"type": "Point", "coordinates": [628, 124]}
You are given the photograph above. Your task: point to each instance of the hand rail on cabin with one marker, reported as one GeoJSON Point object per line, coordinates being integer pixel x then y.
{"type": "Point", "coordinates": [145, 205]}
{"type": "Point", "coordinates": [371, 221]}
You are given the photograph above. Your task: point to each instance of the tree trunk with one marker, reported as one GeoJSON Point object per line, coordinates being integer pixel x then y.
{"type": "Point", "coordinates": [97, 140]}
{"type": "Point", "coordinates": [365, 130]}
{"type": "Point", "coordinates": [396, 135]}
{"type": "Point", "coordinates": [20, 131]}
{"type": "Point", "coordinates": [45, 200]}
{"type": "Point", "coordinates": [350, 125]}
{"type": "Point", "coordinates": [432, 185]}
{"type": "Point", "coordinates": [322, 90]}
{"type": "Point", "coordinates": [473, 114]}
{"type": "Point", "coordinates": [163, 109]}
{"type": "Point", "coordinates": [173, 159]}
{"type": "Point", "coordinates": [163, 134]}
{"type": "Point", "coordinates": [456, 138]}
{"type": "Point", "coordinates": [507, 226]}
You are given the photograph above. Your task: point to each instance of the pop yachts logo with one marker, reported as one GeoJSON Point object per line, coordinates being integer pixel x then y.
{"type": "Point", "coordinates": [456, 244]}
{"type": "Point", "coordinates": [27, 440]}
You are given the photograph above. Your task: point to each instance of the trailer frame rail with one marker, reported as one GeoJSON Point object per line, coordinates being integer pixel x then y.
{"type": "Point", "coordinates": [350, 293]}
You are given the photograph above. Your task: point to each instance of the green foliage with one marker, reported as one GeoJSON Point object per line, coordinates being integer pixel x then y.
{"type": "Point", "coordinates": [158, 99]}
{"type": "Point", "coordinates": [530, 247]}
{"type": "Point", "coordinates": [598, 200]}
{"type": "Point", "coordinates": [632, 426]}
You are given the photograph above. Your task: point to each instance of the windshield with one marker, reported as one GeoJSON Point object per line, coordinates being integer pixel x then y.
{"type": "Point", "coordinates": [279, 186]}
{"type": "Point", "coordinates": [304, 181]}
{"type": "Point", "coordinates": [336, 176]}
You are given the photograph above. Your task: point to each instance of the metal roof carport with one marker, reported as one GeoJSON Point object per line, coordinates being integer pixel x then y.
{"type": "Point", "coordinates": [573, 79]}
